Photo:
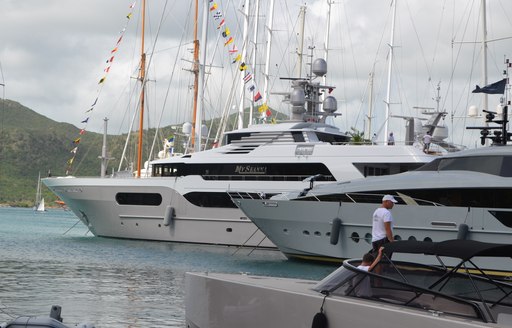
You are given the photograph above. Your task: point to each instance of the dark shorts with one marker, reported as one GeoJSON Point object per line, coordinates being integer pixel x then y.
{"type": "Point", "coordinates": [378, 243]}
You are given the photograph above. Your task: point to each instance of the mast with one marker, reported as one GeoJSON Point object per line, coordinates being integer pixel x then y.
{"type": "Point", "coordinates": [104, 154]}
{"type": "Point", "coordinates": [255, 49]}
{"type": "Point", "coordinates": [142, 77]}
{"type": "Point", "coordinates": [195, 70]}
{"type": "Point", "coordinates": [200, 86]}
{"type": "Point", "coordinates": [269, 46]}
{"type": "Point", "coordinates": [390, 66]}
{"type": "Point", "coordinates": [244, 51]}
{"type": "Point", "coordinates": [485, 104]}
{"type": "Point", "coordinates": [370, 105]}
{"type": "Point", "coordinates": [326, 42]}
{"type": "Point", "coordinates": [302, 18]}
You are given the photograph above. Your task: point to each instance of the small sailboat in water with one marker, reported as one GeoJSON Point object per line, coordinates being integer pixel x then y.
{"type": "Point", "coordinates": [39, 204]}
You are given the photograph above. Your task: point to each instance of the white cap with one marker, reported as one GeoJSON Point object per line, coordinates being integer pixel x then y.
{"type": "Point", "coordinates": [389, 197]}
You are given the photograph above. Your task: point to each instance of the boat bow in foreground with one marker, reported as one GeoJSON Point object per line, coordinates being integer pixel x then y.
{"type": "Point", "coordinates": [395, 294]}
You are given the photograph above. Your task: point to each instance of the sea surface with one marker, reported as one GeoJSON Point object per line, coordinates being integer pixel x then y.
{"type": "Point", "coordinates": [51, 258]}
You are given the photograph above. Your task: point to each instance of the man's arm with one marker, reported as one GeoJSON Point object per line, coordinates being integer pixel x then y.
{"type": "Point", "coordinates": [389, 232]}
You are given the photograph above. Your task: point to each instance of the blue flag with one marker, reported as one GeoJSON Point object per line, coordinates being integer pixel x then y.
{"type": "Point", "coordinates": [495, 88]}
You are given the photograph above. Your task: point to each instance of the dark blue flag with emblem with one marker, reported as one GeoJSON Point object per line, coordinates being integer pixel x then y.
{"type": "Point", "coordinates": [495, 88]}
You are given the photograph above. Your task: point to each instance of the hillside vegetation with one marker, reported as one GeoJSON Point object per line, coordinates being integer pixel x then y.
{"type": "Point", "coordinates": [31, 143]}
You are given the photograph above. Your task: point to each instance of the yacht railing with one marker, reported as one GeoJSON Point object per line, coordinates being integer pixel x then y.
{"type": "Point", "coordinates": [356, 198]}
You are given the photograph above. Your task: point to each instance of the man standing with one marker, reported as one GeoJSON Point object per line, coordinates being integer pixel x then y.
{"type": "Point", "coordinates": [382, 224]}
{"type": "Point", "coordinates": [426, 142]}
{"type": "Point", "coordinates": [391, 139]}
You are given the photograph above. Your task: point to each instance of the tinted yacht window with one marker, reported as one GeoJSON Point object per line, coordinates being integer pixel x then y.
{"type": "Point", "coordinates": [483, 164]}
{"type": "Point", "coordinates": [138, 198]}
{"type": "Point", "coordinates": [496, 165]}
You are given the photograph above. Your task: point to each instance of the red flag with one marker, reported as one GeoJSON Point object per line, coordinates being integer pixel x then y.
{"type": "Point", "coordinates": [257, 96]}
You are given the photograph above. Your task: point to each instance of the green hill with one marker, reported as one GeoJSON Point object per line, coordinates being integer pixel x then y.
{"type": "Point", "coordinates": [31, 143]}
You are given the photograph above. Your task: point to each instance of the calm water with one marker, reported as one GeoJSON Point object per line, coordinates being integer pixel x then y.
{"type": "Point", "coordinates": [44, 260]}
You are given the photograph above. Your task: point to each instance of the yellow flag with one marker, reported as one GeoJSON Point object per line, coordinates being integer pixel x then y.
{"type": "Point", "coordinates": [263, 108]}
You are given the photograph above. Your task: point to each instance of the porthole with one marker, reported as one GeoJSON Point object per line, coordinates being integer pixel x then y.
{"type": "Point", "coordinates": [355, 237]}
{"type": "Point", "coordinates": [397, 237]}
{"type": "Point", "coordinates": [229, 230]}
{"type": "Point", "coordinates": [412, 238]}
{"type": "Point", "coordinates": [305, 232]}
{"type": "Point", "coordinates": [428, 239]}
{"type": "Point", "coordinates": [317, 233]}
{"type": "Point", "coordinates": [328, 234]}
{"type": "Point", "coordinates": [285, 231]}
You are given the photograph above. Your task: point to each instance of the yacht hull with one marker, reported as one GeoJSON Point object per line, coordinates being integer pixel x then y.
{"type": "Point", "coordinates": [93, 200]}
{"type": "Point", "coordinates": [230, 300]}
{"type": "Point", "coordinates": [303, 229]}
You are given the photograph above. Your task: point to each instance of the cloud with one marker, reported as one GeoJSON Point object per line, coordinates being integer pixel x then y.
{"type": "Point", "coordinates": [53, 53]}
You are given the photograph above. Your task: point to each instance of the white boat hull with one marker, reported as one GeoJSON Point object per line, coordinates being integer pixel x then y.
{"type": "Point", "coordinates": [93, 200]}
{"type": "Point", "coordinates": [302, 229]}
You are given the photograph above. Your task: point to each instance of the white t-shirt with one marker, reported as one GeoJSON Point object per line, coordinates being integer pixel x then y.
{"type": "Point", "coordinates": [364, 267]}
{"type": "Point", "coordinates": [380, 216]}
{"type": "Point", "coordinates": [427, 138]}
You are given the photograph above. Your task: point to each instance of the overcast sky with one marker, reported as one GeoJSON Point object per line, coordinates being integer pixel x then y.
{"type": "Point", "coordinates": [53, 53]}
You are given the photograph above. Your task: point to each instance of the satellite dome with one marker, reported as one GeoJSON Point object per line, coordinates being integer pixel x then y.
{"type": "Point", "coordinates": [330, 104]}
{"type": "Point", "coordinates": [187, 128]}
{"type": "Point", "coordinates": [319, 67]}
{"type": "Point", "coordinates": [297, 97]}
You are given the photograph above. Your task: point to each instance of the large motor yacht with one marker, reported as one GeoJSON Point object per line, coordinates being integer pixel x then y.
{"type": "Point", "coordinates": [185, 199]}
{"type": "Point", "coordinates": [459, 195]}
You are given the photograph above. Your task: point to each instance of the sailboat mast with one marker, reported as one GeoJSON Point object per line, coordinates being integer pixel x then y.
{"type": "Point", "coordinates": [268, 50]}
{"type": "Point", "coordinates": [244, 51]}
{"type": "Point", "coordinates": [142, 77]}
{"type": "Point", "coordinates": [390, 67]}
{"type": "Point", "coordinates": [254, 53]}
{"type": "Point", "coordinates": [300, 50]}
{"type": "Point", "coordinates": [201, 80]}
{"type": "Point", "coordinates": [327, 36]}
{"type": "Point", "coordinates": [484, 59]}
{"type": "Point", "coordinates": [195, 70]}
{"type": "Point", "coordinates": [38, 191]}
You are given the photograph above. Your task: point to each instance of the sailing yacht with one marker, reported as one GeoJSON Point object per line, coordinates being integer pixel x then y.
{"type": "Point", "coordinates": [39, 204]}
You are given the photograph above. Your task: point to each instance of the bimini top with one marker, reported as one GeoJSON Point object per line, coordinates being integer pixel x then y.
{"type": "Point", "coordinates": [461, 249]}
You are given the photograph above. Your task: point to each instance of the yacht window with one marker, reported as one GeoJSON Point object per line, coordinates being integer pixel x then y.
{"type": "Point", "coordinates": [246, 171]}
{"type": "Point", "coordinates": [138, 198]}
{"type": "Point", "coordinates": [496, 165]}
{"type": "Point", "coordinates": [210, 199]}
{"type": "Point", "coordinates": [332, 138]}
{"type": "Point", "coordinates": [298, 136]}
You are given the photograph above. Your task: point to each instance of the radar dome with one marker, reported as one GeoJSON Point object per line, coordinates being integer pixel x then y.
{"type": "Point", "coordinates": [297, 97]}
{"type": "Point", "coordinates": [319, 67]}
{"type": "Point", "coordinates": [330, 104]}
{"type": "Point", "coordinates": [473, 111]}
{"type": "Point", "coordinates": [187, 128]}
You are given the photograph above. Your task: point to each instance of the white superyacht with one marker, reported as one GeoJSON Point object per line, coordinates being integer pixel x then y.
{"type": "Point", "coordinates": [464, 195]}
{"type": "Point", "coordinates": [185, 199]}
